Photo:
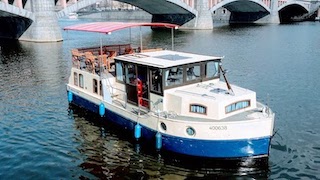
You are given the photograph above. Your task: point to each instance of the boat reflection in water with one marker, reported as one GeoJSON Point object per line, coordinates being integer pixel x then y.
{"type": "Point", "coordinates": [109, 152]}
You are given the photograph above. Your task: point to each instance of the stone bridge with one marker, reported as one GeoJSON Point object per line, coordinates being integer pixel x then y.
{"type": "Point", "coordinates": [14, 20]}
{"type": "Point", "coordinates": [37, 21]}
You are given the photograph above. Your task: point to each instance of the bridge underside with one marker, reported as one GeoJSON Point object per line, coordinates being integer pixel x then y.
{"type": "Point", "coordinates": [13, 26]}
{"type": "Point", "coordinates": [292, 13]}
{"type": "Point", "coordinates": [245, 11]}
{"type": "Point", "coordinates": [166, 12]}
{"type": "Point", "coordinates": [179, 19]}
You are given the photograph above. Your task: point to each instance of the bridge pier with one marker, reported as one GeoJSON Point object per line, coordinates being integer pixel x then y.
{"type": "Point", "coordinates": [45, 27]}
{"type": "Point", "coordinates": [203, 19]}
{"type": "Point", "coordinates": [274, 14]}
{"type": "Point", "coordinates": [273, 17]}
{"type": "Point", "coordinates": [318, 15]}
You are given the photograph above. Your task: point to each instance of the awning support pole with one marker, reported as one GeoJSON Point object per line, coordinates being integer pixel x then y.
{"type": "Point", "coordinates": [100, 44]}
{"type": "Point", "coordinates": [100, 57]}
{"type": "Point", "coordinates": [140, 40]}
{"type": "Point", "coordinates": [172, 38]}
{"type": "Point", "coordinates": [130, 34]}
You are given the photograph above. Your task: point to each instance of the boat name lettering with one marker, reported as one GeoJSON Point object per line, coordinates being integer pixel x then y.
{"type": "Point", "coordinates": [218, 128]}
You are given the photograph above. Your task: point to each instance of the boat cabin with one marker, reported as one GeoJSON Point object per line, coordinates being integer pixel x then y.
{"type": "Point", "coordinates": [146, 76]}
{"type": "Point", "coordinates": [156, 80]}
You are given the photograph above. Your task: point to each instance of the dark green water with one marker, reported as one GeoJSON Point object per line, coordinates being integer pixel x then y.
{"type": "Point", "coordinates": [41, 137]}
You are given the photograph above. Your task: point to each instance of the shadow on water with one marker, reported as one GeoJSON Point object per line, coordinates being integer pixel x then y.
{"type": "Point", "coordinates": [110, 152]}
{"type": "Point", "coordinates": [223, 28]}
{"type": "Point", "coordinates": [9, 49]}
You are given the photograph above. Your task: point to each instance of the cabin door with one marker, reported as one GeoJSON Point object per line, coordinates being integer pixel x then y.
{"type": "Point", "coordinates": [142, 86]}
{"type": "Point", "coordinates": [131, 88]}
{"type": "Point", "coordinates": [136, 85]}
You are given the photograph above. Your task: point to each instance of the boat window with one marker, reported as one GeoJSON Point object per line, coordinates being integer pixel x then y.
{"type": "Point", "coordinates": [101, 93]}
{"type": "Point", "coordinates": [163, 126]}
{"type": "Point", "coordinates": [119, 71]}
{"type": "Point", "coordinates": [174, 76]}
{"type": "Point", "coordinates": [95, 86]}
{"type": "Point", "coordinates": [156, 80]}
{"type": "Point", "coordinates": [193, 73]}
{"type": "Point", "coordinates": [75, 79]}
{"type": "Point", "coordinates": [237, 106]}
{"type": "Point", "coordinates": [81, 80]}
{"type": "Point", "coordinates": [212, 69]}
{"type": "Point", "coordinates": [130, 73]}
{"type": "Point", "coordinates": [195, 108]}
{"type": "Point", "coordinates": [190, 131]}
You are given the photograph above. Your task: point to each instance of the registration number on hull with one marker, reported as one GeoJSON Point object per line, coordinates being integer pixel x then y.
{"type": "Point", "coordinates": [218, 128]}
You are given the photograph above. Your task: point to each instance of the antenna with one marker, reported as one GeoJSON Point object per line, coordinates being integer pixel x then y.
{"type": "Point", "coordinates": [226, 80]}
{"type": "Point", "coordinates": [267, 105]}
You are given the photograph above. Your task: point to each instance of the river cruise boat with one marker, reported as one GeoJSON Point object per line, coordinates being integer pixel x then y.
{"type": "Point", "coordinates": [181, 102]}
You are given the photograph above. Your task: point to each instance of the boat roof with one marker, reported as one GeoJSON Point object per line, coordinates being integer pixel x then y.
{"type": "Point", "coordinates": [165, 58]}
{"type": "Point", "coordinates": [108, 27]}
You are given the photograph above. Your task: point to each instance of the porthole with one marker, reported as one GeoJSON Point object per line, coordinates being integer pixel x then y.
{"type": "Point", "coordinates": [190, 131]}
{"type": "Point", "coordinates": [163, 126]}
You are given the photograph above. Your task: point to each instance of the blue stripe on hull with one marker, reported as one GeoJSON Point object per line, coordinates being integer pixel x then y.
{"type": "Point", "coordinates": [218, 148]}
{"type": "Point", "coordinates": [193, 147]}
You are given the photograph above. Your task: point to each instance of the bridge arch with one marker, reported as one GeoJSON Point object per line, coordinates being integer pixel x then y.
{"type": "Point", "coordinates": [292, 11]}
{"type": "Point", "coordinates": [162, 6]}
{"type": "Point", "coordinates": [173, 11]}
{"type": "Point", "coordinates": [244, 11]}
{"type": "Point", "coordinates": [14, 21]}
{"type": "Point", "coordinates": [231, 3]}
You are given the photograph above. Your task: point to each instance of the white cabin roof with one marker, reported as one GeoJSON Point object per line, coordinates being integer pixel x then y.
{"type": "Point", "coordinates": [165, 58]}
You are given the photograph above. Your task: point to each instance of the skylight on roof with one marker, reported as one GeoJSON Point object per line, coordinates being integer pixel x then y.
{"type": "Point", "coordinates": [172, 57]}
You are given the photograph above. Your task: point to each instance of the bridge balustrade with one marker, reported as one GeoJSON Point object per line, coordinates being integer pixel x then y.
{"type": "Point", "coordinates": [63, 3]}
{"type": "Point", "coordinates": [267, 3]}
{"type": "Point", "coordinates": [281, 2]}
{"type": "Point", "coordinates": [213, 3]}
{"type": "Point", "coordinates": [189, 2]}
{"type": "Point", "coordinates": [18, 3]}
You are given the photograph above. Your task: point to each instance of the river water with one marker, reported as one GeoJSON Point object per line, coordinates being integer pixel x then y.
{"type": "Point", "coordinates": [41, 137]}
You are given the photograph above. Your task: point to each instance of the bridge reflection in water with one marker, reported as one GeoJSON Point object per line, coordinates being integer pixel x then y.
{"type": "Point", "coordinates": [112, 153]}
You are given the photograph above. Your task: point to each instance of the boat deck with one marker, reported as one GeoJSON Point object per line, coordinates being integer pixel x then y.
{"type": "Point", "coordinates": [253, 114]}
{"type": "Point", "coordinates": [97, 59]}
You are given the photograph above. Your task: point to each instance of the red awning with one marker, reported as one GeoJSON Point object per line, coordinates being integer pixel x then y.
{"type": "Point", "coordinates": [108, 27]}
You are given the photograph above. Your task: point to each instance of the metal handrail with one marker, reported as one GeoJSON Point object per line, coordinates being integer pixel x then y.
{"type": "Point", "coordinates": [154, 104]}
{"type": "Point", "coordinates": [113, 94]}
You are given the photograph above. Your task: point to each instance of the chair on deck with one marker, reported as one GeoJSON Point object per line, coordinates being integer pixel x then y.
{"type": "Point", "coordinates": [112, 55]}
{"type": "Point", "coordinates": [77, 57]}
{"type": "Point", "coordinates": [90, 58]}
{"type": "Point", "coordinates": [128, 51]}
{"type": "Point", "coordinates": [105, 61]}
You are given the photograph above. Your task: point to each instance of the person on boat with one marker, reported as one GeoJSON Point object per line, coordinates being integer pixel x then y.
{"type": "Point", "coordinates": [190, 74]}
{"type": "Point", "coordinates": [157, 80]}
